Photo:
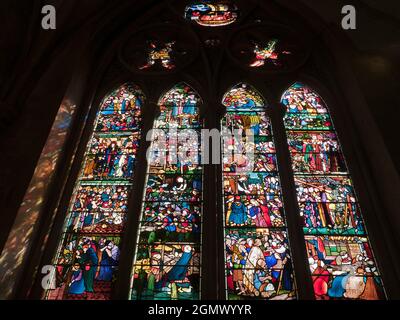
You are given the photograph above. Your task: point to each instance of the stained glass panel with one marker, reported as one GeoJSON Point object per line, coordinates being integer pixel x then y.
{"type": "Point", "coordinates": [268, 52]}
{"type": "Point", "coordinates": [87, 260]}
{"type": "Point", "coordinates": [210, 13]}
{"type": "Point", "coordinates": [347, 264]}
{"type": "Point", "coordinates": [340, 255]}
{"type": "Point", "coordinates": [316, 152]}
{"type": "Point", "coordinates": [167, 259]}
{"type": "Point", "coordinates": [258, 261]}
{"type": "Point", "coordinates": [244, 98]}
{"type": "Point", "coordinates": [159, 54]}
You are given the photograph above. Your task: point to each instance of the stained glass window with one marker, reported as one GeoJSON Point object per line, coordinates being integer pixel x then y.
{"type": "Point", "coordinates": [267, 53]}
{"type": "Point", "coordinates": [87, 259]}
{"type": "Point", "coordinates": [258, 262]}
{"type": "Point", "coordinates": [167, 260]}
{"type": "Point", "coordinates": [160, 53]}
{"type": "Point", "coordinates": [340, 256]}
{"type": "Point", "coordinates": [212, 13]}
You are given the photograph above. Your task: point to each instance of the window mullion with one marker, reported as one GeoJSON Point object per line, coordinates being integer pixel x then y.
{"type": "Point", "coordinates": [296, 237]}
{"type": "Point", "coordinates": [213, 272]}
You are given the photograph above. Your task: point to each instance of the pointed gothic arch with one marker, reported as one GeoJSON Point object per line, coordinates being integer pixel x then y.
{"type": "Point", "coordinates": [109, 36]}
{"type": "Point", "coordinates": [88, 252]}
{"type": "Point", "coordinates": [341, 260]}
{"type": "Point", "coordinates": [258, 259]}
{"type": "Point", "coordinates": [167, 262]}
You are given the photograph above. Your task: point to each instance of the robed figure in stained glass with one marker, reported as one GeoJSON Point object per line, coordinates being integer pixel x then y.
{"type": "Point", "coordinates": [340, 257]}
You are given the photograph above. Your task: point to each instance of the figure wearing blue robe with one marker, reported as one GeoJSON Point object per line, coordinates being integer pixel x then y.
{"type": "Point", "coordinates": [320, 254]}
{"type": "Point", "coordinates": [178, 272]}
{"type": "Point", "coordinates": [123, 106]}
{"type": "Point", "coordinates": [243, 261]}
{"type": "Point", "coordinates": [106, 266]}
{"type": "Point", "coordinates": [250, 104]}
{"type": "Point", "coordinates": [189, 108]}
{"type": "Point", "coordinates": [256, 129]}
{"type": "Point", "coordinates": [287, 273]}
{"type": "Point", "coordinates": [293, 108]}
{"type": "Point", "coordinates": [271, 261]}
{"type": "Point", "coordinates": [170, 227]}
{"type": "Point", "coordinates": [338, 287]}
{"type": "Point", "coordinates": [138, 103]}
{"type": "Point", "coordinates": [238, 213]}
{"type": "Point", "coordinates": [197, 184]}
{"type": "Point", "coordinates": [78, 284]}
{"type": "Point", "coordinates": [129, 170]}
{"type": "Point", "coordinates": [253, 211]}
{"type": "Point", "coordinates": [105, 197]}
{"type": "Point", "coordinates": [88, 220]}
{"type": "Point", "coordinates": [174, 112]}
